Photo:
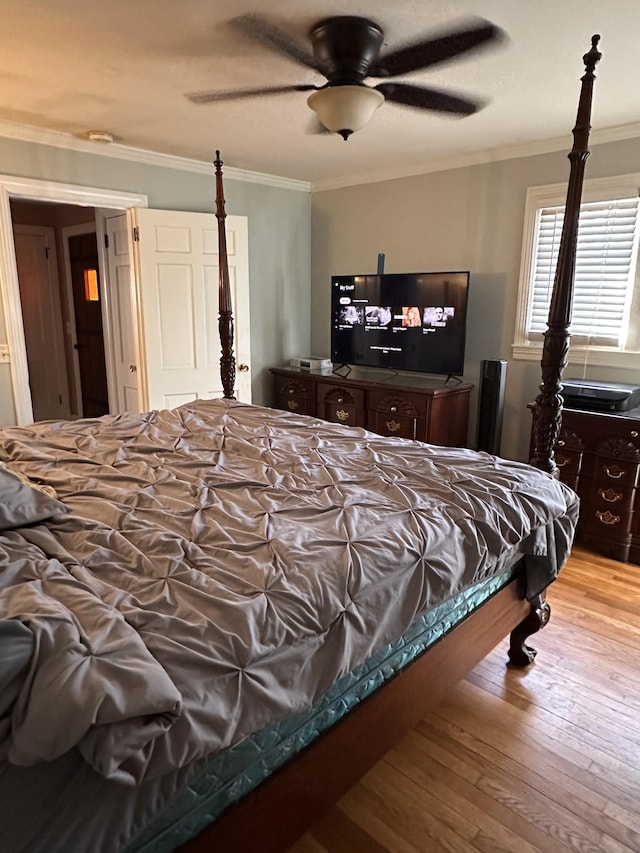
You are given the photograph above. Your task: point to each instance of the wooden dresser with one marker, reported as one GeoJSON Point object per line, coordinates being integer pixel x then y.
{"type": "Point", "coordinates": [419, 408]}
{"type": "Point", "coordinates": [598, 455]}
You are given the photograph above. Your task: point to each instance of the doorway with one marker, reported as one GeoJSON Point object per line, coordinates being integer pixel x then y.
{"type": "Point", "coordinates": [177, 331]}
{"type": "Point", "coordinates": [19, 409]}
{"type": "Point", "coordinates": [60, 294]}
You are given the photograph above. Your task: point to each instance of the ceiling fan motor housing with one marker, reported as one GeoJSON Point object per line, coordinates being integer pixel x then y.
{"type": "Point", "coordinates": [346, 47]}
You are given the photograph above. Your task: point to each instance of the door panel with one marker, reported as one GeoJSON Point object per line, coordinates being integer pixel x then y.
{"type": "Point", "coordinates": [121, 312]}
{"type": "Point", "coordinates": [177, 266]}
{"type": "Point", "coordinates": [83, 257]}
{"type": "Point", "coordinates": [42, 320]}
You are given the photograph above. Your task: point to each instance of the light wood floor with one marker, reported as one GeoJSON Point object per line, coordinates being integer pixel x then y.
{"type": "Point", "coordinates": [544, 759]}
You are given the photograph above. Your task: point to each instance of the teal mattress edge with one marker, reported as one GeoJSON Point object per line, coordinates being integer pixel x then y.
{"type": "Point", "coordinates": [222, 779]}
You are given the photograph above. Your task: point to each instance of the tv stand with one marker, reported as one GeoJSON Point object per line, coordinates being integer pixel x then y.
{"type": "Point", "coordinates": [404, 406]}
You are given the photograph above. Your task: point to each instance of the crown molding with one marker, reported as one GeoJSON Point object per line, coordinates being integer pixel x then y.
{"type": "Point", "coordinates": [58, 139]}
{"type": "Point", "coordinates": [475, 158]}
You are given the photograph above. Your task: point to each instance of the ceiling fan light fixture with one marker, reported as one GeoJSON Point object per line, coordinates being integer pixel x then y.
{"type": "Point", "coordinates": [345, 109]}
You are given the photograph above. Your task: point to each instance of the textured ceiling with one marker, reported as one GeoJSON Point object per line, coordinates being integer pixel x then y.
{"type": "Point", "coordinates": [124, 67]}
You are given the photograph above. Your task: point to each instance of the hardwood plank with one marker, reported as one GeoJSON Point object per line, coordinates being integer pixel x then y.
{"type": "Point", "coordinates": [545, 759]}
{"type": "Point", "coordinates": [502, 827]}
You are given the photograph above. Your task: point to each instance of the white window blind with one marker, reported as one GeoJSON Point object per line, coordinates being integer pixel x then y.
{"type": "Point", "coordinates": [605, 268]}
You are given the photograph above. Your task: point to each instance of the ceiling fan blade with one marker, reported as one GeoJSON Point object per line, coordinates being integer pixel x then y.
{"type": "Point", "coordinates": [423, 54]}
{"type": "Point", "coordinates": [428, 99]}
{"type": "Point", "coordinates": [238, 94]}
{"type": "Point", "coordinates": [260, 29]}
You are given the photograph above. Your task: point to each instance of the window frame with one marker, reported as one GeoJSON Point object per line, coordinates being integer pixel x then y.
{"type": "Point", "coordinates": [554, 195]}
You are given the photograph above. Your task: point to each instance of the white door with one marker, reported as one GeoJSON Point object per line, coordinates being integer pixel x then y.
{"type": "Point", "coordinates": [177, 276]}
{"type": "Point", "coordinates": [42, 320]}
{"type": "Point", "coordinates": [124, 393]}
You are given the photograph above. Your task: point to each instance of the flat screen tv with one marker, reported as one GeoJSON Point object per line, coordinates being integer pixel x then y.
{"type": "Point", "coordinates": [400, 321]}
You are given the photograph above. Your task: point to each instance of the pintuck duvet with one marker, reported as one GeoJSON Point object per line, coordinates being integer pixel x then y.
{"type": "Point", "coordinates": [220, 565]}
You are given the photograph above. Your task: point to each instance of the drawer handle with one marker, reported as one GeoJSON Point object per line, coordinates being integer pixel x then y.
{"type": "Point", "coordinates": [293, 404]}
{"type": "Point", "coordinates": [393, 426]}
{"type": "Point", "coordinates": [614, 471]}
{"type": "Point", "coordinates": [610, 496]}
{"type": "Point", "coordinates": [342, 415]}
{"type": "Point", "coordinates": [341, 399]}
{"type": "Point", "coordinates": [561, 443]}
{"type": "Point", "coordinates": [393, 409]}
{"type": "Point", "coordinates": [607, 517]}
{"type": "Point", "coordinates": [563, 461]}
{"type": "Point", "coordinates": [634, 433]}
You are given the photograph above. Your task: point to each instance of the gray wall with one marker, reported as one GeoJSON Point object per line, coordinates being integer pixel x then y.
{"type": "Point", "coordinates": [279, 242]}
{"type": "Point", "coordinates": [466, 218]}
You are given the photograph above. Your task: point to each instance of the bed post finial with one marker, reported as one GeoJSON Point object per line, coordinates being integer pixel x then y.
{"type": "Point", "coordinates": [225, 308]}
{"type": "Point", "coordinates": [547, 412]}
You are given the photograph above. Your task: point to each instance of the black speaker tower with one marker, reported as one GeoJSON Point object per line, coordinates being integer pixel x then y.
{"type": "Point", "coordinates": [493, 375]}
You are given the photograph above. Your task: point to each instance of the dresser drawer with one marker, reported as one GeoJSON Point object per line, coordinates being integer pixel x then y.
{"type": "Point", "coordinates": [389, 403]}
{"type": "Point", "coordinates": [615, 472]}
{"type": "Point", "coordinates": [295, 394]}
{"type": "Point", "coordinates": [606, 518]}
{"type": "Point", "coordinates": [612, 496]}
{"type": "Point", "coordinates": [569, 462]}
{"type": "Point", "coordinates": [341, 405]}
{"type": "Point", "coordinates": [391, 414]}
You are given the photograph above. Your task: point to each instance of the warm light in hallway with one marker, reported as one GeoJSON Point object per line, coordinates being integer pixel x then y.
{"type": "Point", "coordinates": [91, 293]}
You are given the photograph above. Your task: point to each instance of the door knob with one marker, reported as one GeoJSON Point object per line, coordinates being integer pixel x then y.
{"type": "Point", "coordinates": [243, 368]}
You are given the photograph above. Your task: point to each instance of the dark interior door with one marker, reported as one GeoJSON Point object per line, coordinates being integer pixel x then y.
{"type": "Point", "coordinates": [83, 255]}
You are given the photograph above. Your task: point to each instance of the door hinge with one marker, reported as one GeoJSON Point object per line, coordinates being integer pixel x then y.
{"type": "Point", "coordinates": [106, 241]}
{"type": "Point", "coordinates": [136, 234]}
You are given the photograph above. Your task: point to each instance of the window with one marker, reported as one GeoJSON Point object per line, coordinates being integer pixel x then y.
{"type": "Point", "coordinates": [606, 303]}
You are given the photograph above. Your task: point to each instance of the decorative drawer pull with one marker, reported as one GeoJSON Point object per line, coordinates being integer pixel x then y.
{"type": "Point", "coordinates": [342, 415]}
{"type": "Point", "coordinates": [634, 433]}
{"type": "Point", "coordinates": [393, 426]}
{"type": "Point", "coordinates": [293, 404]}
{"type": "Point", "coordinates": [614, 471]}
{"type": "Point", "coordinates": [393, 409]}
{"type": "Point", "coordinates": [561, 443]}
{"type": "Point", "coordinates": [292, 390]}
{"type": "Point", "coordinates": [563, 461]}
{"type": "Point", "coordinates": [610, 496]}
{"type": "Point", "coordinates": [341, 399]}
{"type": "Point", "coordinates": [607, 517]}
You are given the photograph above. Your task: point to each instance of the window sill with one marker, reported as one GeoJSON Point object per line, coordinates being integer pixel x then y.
{"type": "Point", "coordinates": [592, 356]}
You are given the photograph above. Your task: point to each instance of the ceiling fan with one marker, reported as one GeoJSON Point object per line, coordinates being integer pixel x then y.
{"type": "Point", "coordinates": [346, 50]}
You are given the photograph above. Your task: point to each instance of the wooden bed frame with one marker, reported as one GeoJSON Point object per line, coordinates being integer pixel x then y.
{"type": "Point", "coordinates": [285, 805]}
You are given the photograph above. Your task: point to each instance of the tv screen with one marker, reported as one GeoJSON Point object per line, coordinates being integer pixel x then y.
{"type": "Point", "coordinates": [400, 321]}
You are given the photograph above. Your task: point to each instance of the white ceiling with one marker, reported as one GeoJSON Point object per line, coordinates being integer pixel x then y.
{"type": "Point", "coordinates": [124, 67]}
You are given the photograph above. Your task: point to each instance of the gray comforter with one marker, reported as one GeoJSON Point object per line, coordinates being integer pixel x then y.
{"type": "Point", "coordinates": [223, 564]}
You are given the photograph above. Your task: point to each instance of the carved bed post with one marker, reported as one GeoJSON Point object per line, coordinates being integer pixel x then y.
{"type": "Point", "coordinates": [547, 412]}
{"type": "Point", "coordinates": [225, 316]}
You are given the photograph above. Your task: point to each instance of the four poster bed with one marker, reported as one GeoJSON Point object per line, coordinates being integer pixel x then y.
{"type": "Point", "coordinates": [214, 619]}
